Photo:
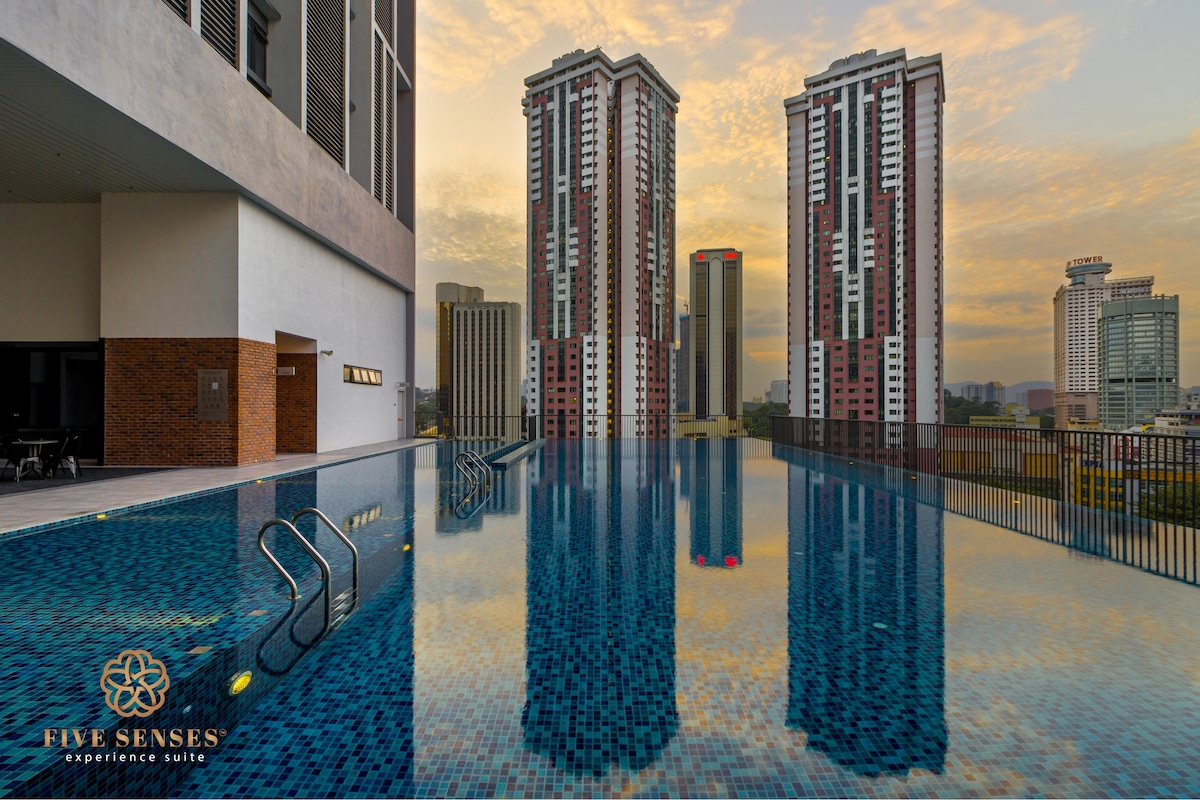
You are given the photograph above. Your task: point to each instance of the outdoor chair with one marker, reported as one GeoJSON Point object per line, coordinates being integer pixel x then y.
{"type": "Point", "coordinates": [66, 458]}
{"type": "Point", "coordinates": [8, 454]}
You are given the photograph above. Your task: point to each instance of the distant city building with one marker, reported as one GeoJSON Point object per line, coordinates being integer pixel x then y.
{"type": "Point", "coordinates": [683, 371]}
{"type": "Point", "coordinates": [1038, 399]}
{"type": "Point", "coordinates": [485, 400]}
{"type": "Point", "coordinates": [1139, 360]}
{"type": "Point", "coordinates": [778, 393]}
{"type": "Point", "coordinates": [715, 371]}
{"type": "Point", "coordinates": [1076, 336]}
{"type": "Point", "coordinates": [992, 392]}
{"type": "Point", "coordinates": [448, 296]}
{"type": "Point", "coordinates": [601, 247]}
{"type": "Point", "coordinates": [865, 240]}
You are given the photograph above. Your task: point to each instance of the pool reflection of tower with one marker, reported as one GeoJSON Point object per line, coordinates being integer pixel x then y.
{"type": "Point", "coordinates": [600, 634]}
{"type": "Point", "coordinates": [866, 604]}
{"type": "Point", "coordinates": [715, 494]}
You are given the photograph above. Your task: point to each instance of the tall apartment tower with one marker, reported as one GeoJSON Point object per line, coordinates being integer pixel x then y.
{"type": "Point", "coordinates": [1076, 334]}
{"type": "Point", "coordinates": [448, 296]}
{"type": "Point", "coordinates": [865, 240]}
{"type": "Point", "coordinates": [715, 373]}
{"type": "Point", "coordinates": [601, 247]}
{"type": "Point", "coordinates": [1139, 359]}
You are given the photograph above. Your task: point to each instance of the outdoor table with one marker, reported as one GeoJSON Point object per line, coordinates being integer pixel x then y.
{"type": "Point", "coordinates": [33, 460]}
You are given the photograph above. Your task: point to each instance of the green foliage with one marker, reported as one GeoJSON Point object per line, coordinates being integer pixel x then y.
{"type": "Point", "coordinates": [1173, 502]}
{"type": "Point", "coordinates": [959, 410]}
{"type": "Point", "coordinates": [758, 420]}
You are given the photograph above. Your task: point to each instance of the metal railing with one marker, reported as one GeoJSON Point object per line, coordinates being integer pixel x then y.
{"type": "Point", "coordinates": [574, 425]}
{"type": "Point", "coordinates": [1133, 498]}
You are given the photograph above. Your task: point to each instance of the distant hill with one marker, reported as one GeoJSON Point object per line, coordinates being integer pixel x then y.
{"type": "Point", "coordinates": [1027, 385]}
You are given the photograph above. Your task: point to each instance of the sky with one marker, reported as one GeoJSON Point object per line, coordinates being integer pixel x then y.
{"type": "Point", "coordinates": [1072, 129]}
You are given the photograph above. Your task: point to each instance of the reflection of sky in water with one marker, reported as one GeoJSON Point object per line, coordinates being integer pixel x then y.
{"type": "Point", "coordinates": [865, 644]}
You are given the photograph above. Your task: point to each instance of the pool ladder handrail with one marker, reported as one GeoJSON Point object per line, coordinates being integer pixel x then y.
{"type": "Point", "coordinates": [348, 600]}
{"type": "Point", "coordinates": [468, 462]}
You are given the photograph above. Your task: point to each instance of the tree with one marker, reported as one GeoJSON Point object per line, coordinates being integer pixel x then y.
{"type": "Point", "coordinates": [959, 410]}
{"type": "Point", "coordinates": [1172, 502]}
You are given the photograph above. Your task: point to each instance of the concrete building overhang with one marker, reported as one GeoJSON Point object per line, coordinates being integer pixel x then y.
{"type": "Point", "coordinates": [122, 96]}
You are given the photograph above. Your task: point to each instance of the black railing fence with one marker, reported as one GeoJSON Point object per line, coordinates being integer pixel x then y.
{"type": "Point", "coordinates": [1132, 498]}
{"type": "Point", "coordinates": [433, 424]}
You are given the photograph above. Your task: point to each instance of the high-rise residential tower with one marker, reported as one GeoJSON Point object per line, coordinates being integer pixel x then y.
{"type": "Point", "coordinates": [1076, 334]}
{"type": "Point", "coordinates": [601, 246]}
{"type": "Point", "coordinates": [448, 296]}
{"type": "Point", "coordinates": [865, 240]}
{"type": "Point", "coordinates": [715, 371]}
{"type": "Point", "coordinates": [1139, 359]}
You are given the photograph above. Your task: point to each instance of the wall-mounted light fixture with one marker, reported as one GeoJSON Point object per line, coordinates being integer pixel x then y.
{"type": "Point", "coordinates": [326, 352]}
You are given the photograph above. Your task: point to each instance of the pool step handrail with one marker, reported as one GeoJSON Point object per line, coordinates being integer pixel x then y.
{"type": "Point", "coordinates": [312, 553]}
{"type": "Point", "coordinates": [348, 600]}
{"type": "Point", "coordinates": [474, 469]}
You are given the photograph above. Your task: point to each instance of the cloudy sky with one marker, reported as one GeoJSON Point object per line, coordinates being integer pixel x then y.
{"type": "Point", "coordinates": [1072, 129]}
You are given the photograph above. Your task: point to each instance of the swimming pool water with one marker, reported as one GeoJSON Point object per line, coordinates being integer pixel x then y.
{"type": "Point", "coordinates": [636, 617]}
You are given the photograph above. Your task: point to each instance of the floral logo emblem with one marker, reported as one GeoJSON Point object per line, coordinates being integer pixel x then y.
{"type": "Point", "coordinates": [135, 684]}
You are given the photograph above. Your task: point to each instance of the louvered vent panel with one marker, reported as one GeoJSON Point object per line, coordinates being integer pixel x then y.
{"type": "Point", "coordinates": [377, 132]}
{"type": "Point", "coordinates": [385, 18]}
{"type": "Point", "coordinates": [325, 98]}
{"type": "Point", "coordinates": [389, 151]}
{"type": "Point", "coordinates": [218, 27]}
{"type": "Point", "coordinates": [180, 7]}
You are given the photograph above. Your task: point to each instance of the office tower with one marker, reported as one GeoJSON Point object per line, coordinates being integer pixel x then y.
{"type": "Point", "coordinates": [1076, 335]}
{"type": "Point", "coordinates": [865, 240]}
{"type": "Point", "coordinates": [683, 371]}
{"type": "Point", "coordinates": [601, 248]}
{"type": "Point", "coordinates": [778, 393]}
{"type": "Point", "coordinates": [485, 397]}
{"type": "Point", "coordinates": [448, 296]}
{"type": "Point", "coordinates": [1139, 359]}
{"type": "Point", "coordinates": [208, 257]}
{"type": "Point", "coordinates": [715, 373]}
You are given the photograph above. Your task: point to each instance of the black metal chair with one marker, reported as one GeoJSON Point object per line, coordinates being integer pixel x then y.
{"type": "Point", "coordinates": [8, 454]}
{"type": "Point", "coordinates": [65, 458]}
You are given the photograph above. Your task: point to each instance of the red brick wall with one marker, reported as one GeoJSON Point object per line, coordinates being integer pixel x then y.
{"type": "Point", "coordinates": [150, 402]}
{"type": "Point", "coordinates": [296, 405]}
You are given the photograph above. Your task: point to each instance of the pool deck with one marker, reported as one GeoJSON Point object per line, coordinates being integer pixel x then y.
{"type": "Point", "coordinates": [63, 502]}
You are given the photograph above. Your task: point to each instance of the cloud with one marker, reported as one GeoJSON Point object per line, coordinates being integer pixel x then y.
{"type": "Point", "coordinates": [995, 59]}
{"type": "Point", "coordinates": [464, 42]}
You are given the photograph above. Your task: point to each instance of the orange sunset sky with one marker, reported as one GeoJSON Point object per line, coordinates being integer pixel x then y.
{"type": "Point", "coordinates": [1072, 129]}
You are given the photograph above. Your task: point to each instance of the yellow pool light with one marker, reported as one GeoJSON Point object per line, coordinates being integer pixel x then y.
{"type": "Point", "coordinates": [407, 547]}
{"type": "Point", "coordinates": [102, 516]}
{"type": "Point", "coordinates": [239, 683]}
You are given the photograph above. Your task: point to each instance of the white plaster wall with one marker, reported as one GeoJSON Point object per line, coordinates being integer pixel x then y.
{"type": "Point", "coordinates": [169, 265]}
{"type": "Point", "coordinates": [290, 282]}
{"type": "Point", "coordinates": [49, 272]}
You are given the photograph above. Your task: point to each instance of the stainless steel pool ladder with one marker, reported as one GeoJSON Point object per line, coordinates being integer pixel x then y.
{"type": "Point", "coordinates": [336, 608]}
{"type": "Point", "coordinates": [474, 469]}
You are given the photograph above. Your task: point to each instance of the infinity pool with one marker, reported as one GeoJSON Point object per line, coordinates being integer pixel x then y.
{"type": "Point", "coordinates": [652, 618]}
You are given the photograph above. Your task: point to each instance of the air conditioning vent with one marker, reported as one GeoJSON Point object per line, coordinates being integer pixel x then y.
{"type": "Point", "coordinates": [389, 149]}
{"type": "Point", "coordinates": [218, 27]}
{"type": "Point", "coordinates": [180, 7]}
{"type": "Point", "coordinates": [325, 97]}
